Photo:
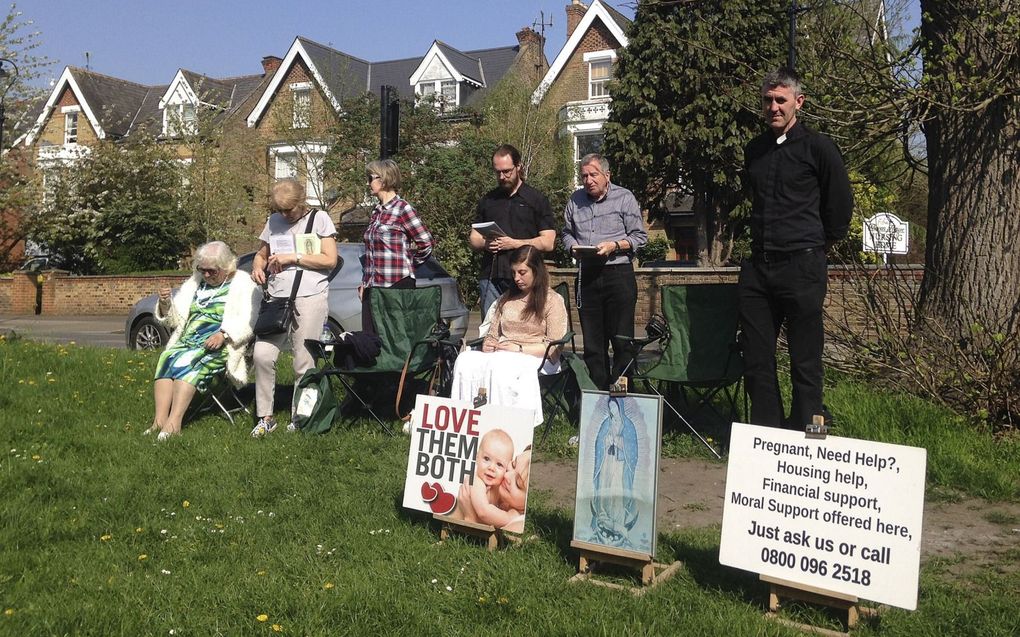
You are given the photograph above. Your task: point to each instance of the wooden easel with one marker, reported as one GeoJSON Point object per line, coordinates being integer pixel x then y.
{"type": "Point", "coordinates": [494, 538]}
{"type": "Point", "coordinates": [781, 589]}
{"type": "Point", "coordinates": [652, 573]}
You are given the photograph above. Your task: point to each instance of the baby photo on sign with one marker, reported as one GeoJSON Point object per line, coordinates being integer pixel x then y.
{"type": "Point", "coordinates": [469, 463]}
{"type": "Point", "coordinates": [618, 459]}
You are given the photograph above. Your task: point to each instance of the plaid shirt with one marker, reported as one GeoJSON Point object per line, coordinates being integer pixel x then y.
{"type": "Point", "coordinates": [389, 253]}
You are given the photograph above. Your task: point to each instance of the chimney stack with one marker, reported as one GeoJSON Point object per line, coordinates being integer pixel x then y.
{"type": "Point", "coordinates": [575, 12]}
{"type": "Point", "coordinates": [527, 35]}
{"type": "Point", "coordinates": [270, 63]}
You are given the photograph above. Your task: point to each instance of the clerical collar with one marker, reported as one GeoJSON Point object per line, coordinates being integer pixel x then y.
{"type": "Point", "coordinates": [781, 139]}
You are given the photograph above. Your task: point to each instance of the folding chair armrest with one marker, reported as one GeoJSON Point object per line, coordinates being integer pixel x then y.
{"type": "Point", "coordinates": [553, 345]}
{"type": "Point", "coordinates": [475, 343]}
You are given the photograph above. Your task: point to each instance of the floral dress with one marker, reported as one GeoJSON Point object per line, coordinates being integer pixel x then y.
{"type": "Point", "coordinates": [188, 359]}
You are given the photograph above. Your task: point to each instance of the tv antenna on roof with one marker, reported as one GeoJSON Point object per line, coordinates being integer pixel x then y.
{"type": "Point", "coordinates": [541, 24]}
{"type": "Point", "coordinates": [88, 57]}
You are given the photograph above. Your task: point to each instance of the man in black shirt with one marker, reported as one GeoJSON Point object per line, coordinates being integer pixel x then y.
{"type": "Point", "coordinates": [801, 205]}
{"type": "Point", "coordinates": [520, 211]}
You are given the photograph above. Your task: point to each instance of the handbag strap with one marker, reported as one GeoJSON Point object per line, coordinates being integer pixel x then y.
{"type": "Point", "coordinates": [297, 277]}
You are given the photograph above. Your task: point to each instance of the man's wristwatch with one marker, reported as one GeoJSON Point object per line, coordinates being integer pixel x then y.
{"type": "Point", "coordinates": [298, 262]}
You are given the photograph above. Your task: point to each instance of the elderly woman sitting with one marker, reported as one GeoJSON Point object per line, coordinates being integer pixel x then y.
{"type": "Point", "coordinates": [211, 316]}
{"type": "Point", "coordinates": [526, 319]}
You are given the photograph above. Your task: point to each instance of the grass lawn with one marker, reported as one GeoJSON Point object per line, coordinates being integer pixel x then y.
{"type": "Point", "coordinates": [105, 532]}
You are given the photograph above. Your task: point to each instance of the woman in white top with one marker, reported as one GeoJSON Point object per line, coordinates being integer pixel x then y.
{"type": "Point", "coordinates": [282, 254]}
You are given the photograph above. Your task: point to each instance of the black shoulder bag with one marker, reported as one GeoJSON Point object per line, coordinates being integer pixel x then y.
{"type": "Point", "coordinates": [276, 315]}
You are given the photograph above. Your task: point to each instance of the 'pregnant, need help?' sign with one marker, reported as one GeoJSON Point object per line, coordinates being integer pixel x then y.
{"type": "Point", "coordinates": [839, 514]}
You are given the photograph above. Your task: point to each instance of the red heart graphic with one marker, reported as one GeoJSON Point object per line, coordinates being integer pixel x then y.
{"type": "Point", "coordinates": [430, 492]}
{"type": "Point", "coordinates": [444, 503]}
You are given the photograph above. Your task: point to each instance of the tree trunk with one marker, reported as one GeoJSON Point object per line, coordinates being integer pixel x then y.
{"type": "Point", "coordinates": [972, 262]}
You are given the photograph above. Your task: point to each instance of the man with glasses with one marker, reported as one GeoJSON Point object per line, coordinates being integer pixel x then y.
{"type": "Point", "coordinates": [801, 205]}
{"type": "Point", "coordinates": [521, 212]}
{"type": "Point", "coordinates": [602, 230]}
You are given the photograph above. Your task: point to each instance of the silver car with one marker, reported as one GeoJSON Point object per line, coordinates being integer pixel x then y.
{"type": "Point", "coordinates": [142, 331]}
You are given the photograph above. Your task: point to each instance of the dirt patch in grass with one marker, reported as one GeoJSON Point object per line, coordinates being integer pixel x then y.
{"type": "Point", "coordinates": [691, 496]}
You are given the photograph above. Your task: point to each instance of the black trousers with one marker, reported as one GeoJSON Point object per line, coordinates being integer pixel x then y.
{"type": "Point", "coordinates": [367, 321]}
{"type": "Point", "coordinates": [774, 288]}
{"type": "Point", "coordinates": [606, 296]}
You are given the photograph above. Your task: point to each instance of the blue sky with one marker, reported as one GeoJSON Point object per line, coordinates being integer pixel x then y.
{"type": "Point", "coordinates": [146, 41]}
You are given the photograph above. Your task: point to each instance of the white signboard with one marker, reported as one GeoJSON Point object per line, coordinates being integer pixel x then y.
{"type": "Point", "coordinates": [839, 514]}
{"type": "Point", "coordinates": [886, 233]}
{"type": "Point", "coordinates": [470, 463]}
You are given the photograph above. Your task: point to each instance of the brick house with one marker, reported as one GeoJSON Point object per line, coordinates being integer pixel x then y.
{"type": "Point", "coordinates": [577, 80]}
{"type": "Point", "coordinates": [289, 106]}
{"type": "Point", "coordinates": [307, 87]}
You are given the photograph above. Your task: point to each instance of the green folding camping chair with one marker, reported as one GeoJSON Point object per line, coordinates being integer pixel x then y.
{"type": "Point", "coordinates": [700, 361]}
{"type": "Point", "coordinates": [415, 354]}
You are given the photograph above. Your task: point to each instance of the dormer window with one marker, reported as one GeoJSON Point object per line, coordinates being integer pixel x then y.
{"type": "Point", "coordinates": [180, 119]}
{"type": "Point", "coordinates": [302, 96]}
{"type": "Point", "coordinates": [443, 92]}
{"type": "Point", "coordinates": [600, 72]}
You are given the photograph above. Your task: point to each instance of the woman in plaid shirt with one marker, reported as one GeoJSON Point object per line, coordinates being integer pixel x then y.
{"type": "Point", "coordinates": [396, 240]}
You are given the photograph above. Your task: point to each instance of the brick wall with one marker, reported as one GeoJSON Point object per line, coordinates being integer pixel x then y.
{"type": "Point", "coordinates": [844, 303]}
{"type": "Point", "coordinates": [66, 295]}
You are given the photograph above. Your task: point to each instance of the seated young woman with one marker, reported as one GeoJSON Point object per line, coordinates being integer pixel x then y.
{"type": "Point", "coordinates": [212, 316]}
{"type": "Point", "coordinates": [527, 318]}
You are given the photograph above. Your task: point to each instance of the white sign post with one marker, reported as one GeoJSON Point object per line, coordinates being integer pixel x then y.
{"type": "Point", "coordinates": [837, 514]}
{"type": "Point", "coordinates": [886, 234]}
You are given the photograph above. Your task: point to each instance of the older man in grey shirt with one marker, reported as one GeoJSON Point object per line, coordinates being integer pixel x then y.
{"type": "Point", "coordinates": [602, 229]}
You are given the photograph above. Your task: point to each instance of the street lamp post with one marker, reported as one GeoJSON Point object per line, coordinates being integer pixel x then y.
{"type": "Point", "coordinates": [791, 49]}
{"type": "Point", "coordinates": [4, 74]}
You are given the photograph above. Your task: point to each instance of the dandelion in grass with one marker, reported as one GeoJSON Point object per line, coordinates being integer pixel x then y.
{"type": "Point", "coordinates": [143, 557]}
{"type": "Point", "coordinates": [327, 586]}
{"type": "Point", "coordinates": [9, 612]}
{"type": "Point", "coordinates": [105, 538]}
{"type": "Point", "coordinates": [262, 618]}
{"type": "Point", "coordinates": [503, 600]}
{"type": "Point", "coordinates": [185, 504]}
{"type": "Point", "coordinates": [277, 628]}
{"type": "Point", "coordinates": [139, 530]}
{"type": "Point", "coordinates": [261, 573]}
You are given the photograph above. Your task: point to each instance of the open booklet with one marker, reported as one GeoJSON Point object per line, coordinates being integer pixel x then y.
{"type": "Point", "coordinates": [295, 243]}
{"type": "Point", "coordinates": [586, 251]}
{"type": "Point", "coordinates": [489, 229]}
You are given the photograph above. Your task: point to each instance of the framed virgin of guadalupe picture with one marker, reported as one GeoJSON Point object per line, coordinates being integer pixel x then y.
{"type": "Point", "coordinates": [617, 466]}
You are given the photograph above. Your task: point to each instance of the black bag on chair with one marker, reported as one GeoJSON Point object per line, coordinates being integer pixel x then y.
{"type": "Point", "coordinates": [276, 315]}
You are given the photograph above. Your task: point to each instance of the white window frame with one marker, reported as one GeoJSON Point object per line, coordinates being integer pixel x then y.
{"type": "Point", "coordinates": [435, 88]}
{"type": "Point", "coordinates": [597, 88]}
{"type": "Point", "coordinates": [301, 96]}
{"type": "Point", "coordinates": [180, 119]}
{"type": "Point", "coordinates": [71, 127]}
{"type": "Point", "coordinates": [304, 160]}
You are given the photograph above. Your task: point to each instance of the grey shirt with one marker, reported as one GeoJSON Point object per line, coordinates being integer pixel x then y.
{"type": "Point", "coordinates": [615, 217]}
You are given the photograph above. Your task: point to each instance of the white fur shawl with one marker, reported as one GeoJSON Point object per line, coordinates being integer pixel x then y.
{"type": "Point", "coordinates": [239, 315]}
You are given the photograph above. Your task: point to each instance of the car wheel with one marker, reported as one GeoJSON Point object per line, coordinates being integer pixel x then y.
{"type": "Point", "coordinates": [148, 334]}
